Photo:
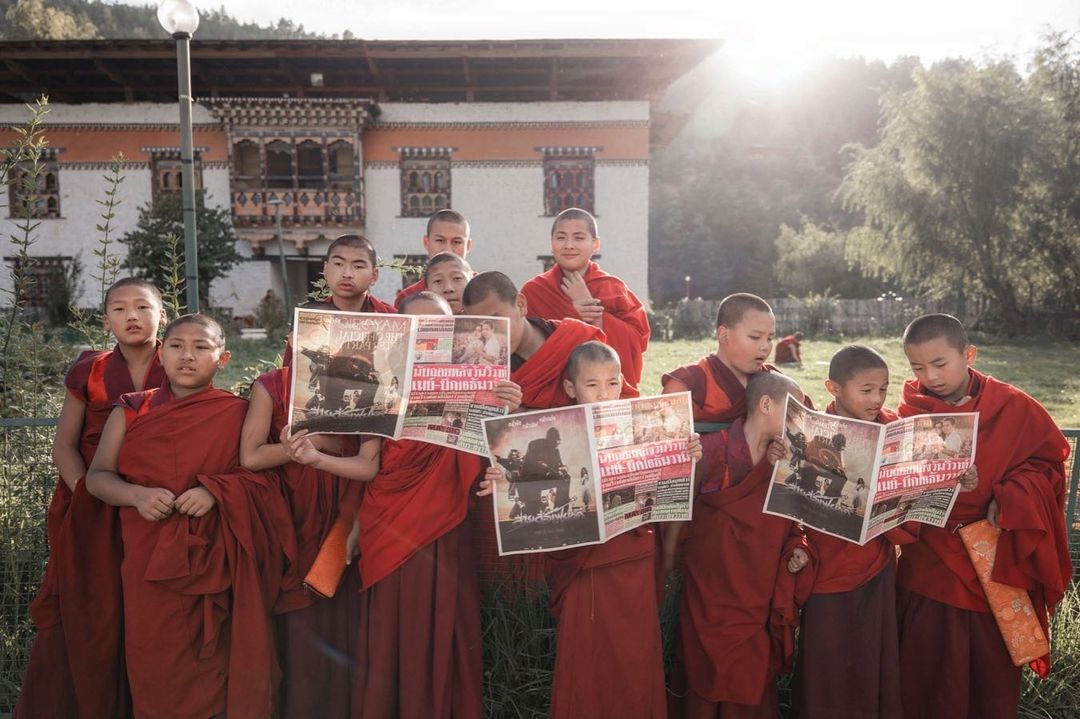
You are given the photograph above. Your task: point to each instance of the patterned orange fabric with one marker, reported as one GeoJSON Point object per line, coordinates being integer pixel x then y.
{"type": "Point", "coordinates": [1011, 606]}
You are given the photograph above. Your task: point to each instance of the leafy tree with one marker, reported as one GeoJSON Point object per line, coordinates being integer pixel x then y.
{"type": "Point", "coordinates": [32, 20]}
{"type": "Point", "coordinates": [149, 253]}
{"type": "Point", "coordinates": [942, 190]}
{"type": "Point", "coordinates": [813, 260]}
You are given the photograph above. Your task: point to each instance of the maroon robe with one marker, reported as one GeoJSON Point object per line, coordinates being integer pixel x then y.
{"type": "Point", "coordinates": [739, 603]}
{"type": "Point", "coordinates": [419, 651]}
{"type": "Point", "coordinates": [848, 665]}
{"type": "Point", "coordinates": [317, 646]}
{"type": "Point", "coordinates": [199, 592]}
{"type": "Point", "coordinates": [76, 665]}
{"type": "Point", "coordinates": [1020, 455]}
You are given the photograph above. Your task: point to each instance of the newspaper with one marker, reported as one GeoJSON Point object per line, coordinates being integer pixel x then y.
{"type": "Point", "coordinates": [583, 474]}
{"type": "Point", "coordinates": [856, 480]}
{"type": "Point", "coordinates": [428, 378]}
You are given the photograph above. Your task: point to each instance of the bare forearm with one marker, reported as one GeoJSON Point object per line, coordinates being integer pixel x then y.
{"type": "Point", "coordinates": [265, 456]}
{"type": "Point", "coordinates": [356, 467]}
{"type": "Point", "coordinates": [111, 488]}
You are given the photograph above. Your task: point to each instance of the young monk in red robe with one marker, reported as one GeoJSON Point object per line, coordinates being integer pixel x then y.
{"type": "Point", "coordinates": [447, 231]}
{"type": "Point", "coordinates": [576, 287]}
{"type": "Point", "coordinates": [1019, 460]}
{"type": "Point", "coordinates": [205, 546]}
{"type": "Point", "coordinates": [745, 327]}
{"type": "Point", "coordinates": [738, 608]}
{"type": "Point", "coordinates": [76, 665]}
{"type": "Point", "coordinates": [350, 269]}
{"type": "Point", "coordinates": [317, 634]}
{"type": "Point", "coordinates": [538, 352]}
{"type": "Point", "coordinates": [447, 275]}
{"type": "Point", "coordinates": [789, 349]}
{"type": "Point", "coordinates": [418, 651]}
{"type": "Point", "coordinates": [849, 664]}
{"type": "Point", "coordinates": [609, 656]}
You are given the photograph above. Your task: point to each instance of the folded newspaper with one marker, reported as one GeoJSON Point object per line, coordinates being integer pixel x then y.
{"type": "Point", "coordinates": [857, 480]}
{"type": "Point", "coordinates": [583, 474]}
{"type": "Point", "coordinates": [428, 378]}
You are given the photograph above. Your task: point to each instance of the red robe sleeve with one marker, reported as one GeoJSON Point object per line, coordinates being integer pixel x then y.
{"type": "Point", "coordinates": [418, 286]}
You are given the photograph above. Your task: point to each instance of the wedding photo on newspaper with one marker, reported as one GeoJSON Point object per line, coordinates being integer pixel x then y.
{"type": "Point", "coordinates": [428, 378]}
{"type": "Point", "coordinates": [856, 480]}
{"type": "Point", "coordinates": [583, 474]}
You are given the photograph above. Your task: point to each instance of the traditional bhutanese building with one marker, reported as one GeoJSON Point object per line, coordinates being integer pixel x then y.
{"type": "Point", "coordinates": [351, 136]}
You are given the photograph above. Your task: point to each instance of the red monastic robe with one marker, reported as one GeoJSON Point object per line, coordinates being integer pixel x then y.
{"type": "Point", "coordinates": [788, 351]}
{"type": "Point", "coordinates": [625, 324]}
{"type": "Point", "coordinates": [419, 649]}
{"type": "Point", "coordinates": [371, 304]}
{"type": "Point", "coordinates": [76, 665]}
{"type": "Point", "coordinates": [849, 668]}
{"type": "Point", "coordinates": [1020, 455]}
{"type": "Point", "coordinates": [739, 603]}
{"type": "Point", "coordinates": [418, 286]}
{"type": "Point", "coordinates": [317, 641]}
{"type": "Point", "coordinates": [541, 381]}
{"type": "Point", "coordinates": [199, 592]}
{"type": "Point", "coordinates": [716, 394]}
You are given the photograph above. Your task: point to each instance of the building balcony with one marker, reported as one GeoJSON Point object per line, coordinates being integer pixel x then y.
{"type": "Point", "coordinates": [304, 206]}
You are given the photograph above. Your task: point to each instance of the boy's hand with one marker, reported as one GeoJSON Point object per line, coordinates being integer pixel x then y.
{"type": "Point", "coordinates": [992, 514]}
{"type": "Point", "coordinates": [300, 448]}
{"type": "Point", "coordinates": [510, 394]}
{"type": "Point", "coordinates": [195, 502]}
{"type": "Point", "coordinates": [693, 447]}
{"type": "Point", "coordinates": [799, 559]}
{"type": "Point", "coordinates": [154, 503]}
{"type": "Point", "coordinates": [352, 543]}
{"type": "Point", "coordinates": [494, 473]}
{"type": "Point", "coordinates": [574, 287]}
{"type": "Point", "coordinates": [777, 450]}
{"type": "Point", "coordinates": [969, 480]}
{"type": "Point", "coordinates": [590, 311]}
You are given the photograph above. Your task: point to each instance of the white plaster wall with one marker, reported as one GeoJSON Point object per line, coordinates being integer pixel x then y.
{"type": "Point", "coordinates": [94, 113]}
{"type": "Point", "coordinates": [501, 112]}
{"type": "Point", "coordinates": [504, 205]}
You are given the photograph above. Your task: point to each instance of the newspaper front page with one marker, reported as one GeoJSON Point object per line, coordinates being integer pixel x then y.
{"type": "Point", "coordinates": [580, 475]}
{"type": "Point", "coordinates": [856, 480]}
{"type": "Point", "coordinates": [428, 378]}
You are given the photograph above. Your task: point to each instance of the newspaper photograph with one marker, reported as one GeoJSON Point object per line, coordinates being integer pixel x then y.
{"type": "Point", "coordinates": [856, 480]}
{"type": "Point", "coordinates": [428, 378]}
{"type": "Point", "coordinates": [456, 364]}
{"type": "Point", "coordinates": [581, 475]}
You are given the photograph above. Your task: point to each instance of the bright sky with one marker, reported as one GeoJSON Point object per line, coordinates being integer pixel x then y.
{"type": "Point", "coordinates": [765, 39]}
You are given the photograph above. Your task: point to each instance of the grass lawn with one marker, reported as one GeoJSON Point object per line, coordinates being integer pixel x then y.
{"type": "Point", "coordinates": [1045, 369]}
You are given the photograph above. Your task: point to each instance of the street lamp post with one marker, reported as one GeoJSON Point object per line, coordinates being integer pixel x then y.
{"type": "Point", "coordinates": [180, 19]}
{"type": "Point", "coordinates": [277, 202]}
{"type": "Point", "coordinates": [687, 280]}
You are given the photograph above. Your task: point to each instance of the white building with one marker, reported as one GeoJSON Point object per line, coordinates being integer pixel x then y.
{"type": "Point", "coordinates": [353, 136]}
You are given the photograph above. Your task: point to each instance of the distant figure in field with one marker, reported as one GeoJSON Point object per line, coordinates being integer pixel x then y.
{"type": "Point", "coordinates": [788, 350]}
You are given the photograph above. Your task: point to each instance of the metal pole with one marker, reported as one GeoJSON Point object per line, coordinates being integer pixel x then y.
{"type": "Point", "coordinates": [281, 254]}
{"type": "Point", "coordinates": [187, 168]}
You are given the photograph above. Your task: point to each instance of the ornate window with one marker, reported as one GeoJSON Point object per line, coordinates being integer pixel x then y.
{"type": "Point", "coordinates": [44, 198]}
{"type": "Point", "coordinates": [46, 274]}
{"type": "Point", "coordinates": [425, 180]}
{"type": "Point", "coordinates": [166, 170]}
{"type": "Point", "coordinates": [569, 178]}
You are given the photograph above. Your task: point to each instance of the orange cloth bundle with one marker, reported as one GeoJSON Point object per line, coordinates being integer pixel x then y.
{"type": "Point", "coordinates": [329, 566]}
{"type": "Point", "coordinates": [1012, 607]}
